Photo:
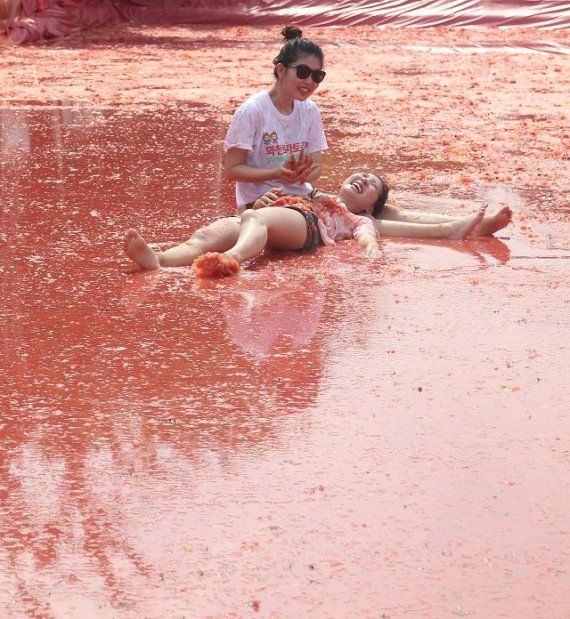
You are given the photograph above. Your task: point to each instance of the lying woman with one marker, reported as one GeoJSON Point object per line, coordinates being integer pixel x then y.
{"type": "Point", "coordinates": [384, 213]}
{"type": "Point", "coordinates": [294, 223]}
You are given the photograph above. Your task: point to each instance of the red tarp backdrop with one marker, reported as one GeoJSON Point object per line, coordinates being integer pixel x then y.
{"type": "Point", "coordinates": [44, 19]}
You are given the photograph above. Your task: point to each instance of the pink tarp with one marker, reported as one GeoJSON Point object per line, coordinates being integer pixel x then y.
{"type": "Point", "coordinates": [44, 19]}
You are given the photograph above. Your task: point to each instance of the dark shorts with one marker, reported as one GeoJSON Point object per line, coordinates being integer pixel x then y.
{"type": "Point", "coordinates": [313, 234]}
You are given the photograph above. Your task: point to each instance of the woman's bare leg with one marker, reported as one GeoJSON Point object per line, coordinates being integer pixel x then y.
{"type": "Point", "coordinates": [405, 215]}
{"type": "Point", "coordinates": [277, 228]}
{"type": "Point", "coordinates": [486, 227]}
{"type": "Point", "coordinates": [457, 229]}
{"type": "Point", "coordinates": [217, 236]}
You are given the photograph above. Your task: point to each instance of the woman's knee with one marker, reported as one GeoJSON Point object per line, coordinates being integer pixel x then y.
{"type": "Point", "coordinates": [252, 215]}
{"type": "Point", "coordinates": [199, 236]}
{"type": "Point", "coordinates": [220, 230]}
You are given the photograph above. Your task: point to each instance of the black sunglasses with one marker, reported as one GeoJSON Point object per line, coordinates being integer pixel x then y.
{"type": "Point", "coordinates": [303, 72]}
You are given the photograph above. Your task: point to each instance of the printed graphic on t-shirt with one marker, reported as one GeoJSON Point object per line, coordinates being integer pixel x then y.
{"type": "Point", "coordinates": [268, 138]}
{"type": "Point", "coordinates": [278, 153]}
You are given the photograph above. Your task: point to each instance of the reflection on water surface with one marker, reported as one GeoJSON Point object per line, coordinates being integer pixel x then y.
{"type": "Point", "coordinates": [314, 420]}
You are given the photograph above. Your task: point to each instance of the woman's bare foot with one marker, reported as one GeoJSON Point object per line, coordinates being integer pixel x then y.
{"type": "Point", "coordinates": [464, 227]}
{"type": "Point", "coordinates": [214, 264]}
{"type": "Point", "coordinates": [138, 251]}
{"type": "Point", "coordinates": [493, 223]}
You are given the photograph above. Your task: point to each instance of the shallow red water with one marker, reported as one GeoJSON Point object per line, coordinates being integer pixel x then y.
{"type": "Point", "coordinates": [315, 438]}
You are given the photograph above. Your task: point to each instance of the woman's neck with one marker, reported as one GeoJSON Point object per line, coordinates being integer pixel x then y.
{"type": "Point", "coordinates": [284, 104]}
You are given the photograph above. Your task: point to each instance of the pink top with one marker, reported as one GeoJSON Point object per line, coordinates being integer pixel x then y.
{"type": "Point", "coordinates": [335, 221]}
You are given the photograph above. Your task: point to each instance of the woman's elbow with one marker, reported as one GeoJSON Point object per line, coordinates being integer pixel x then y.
{"type": "Point", "coordinates": [230, 171]}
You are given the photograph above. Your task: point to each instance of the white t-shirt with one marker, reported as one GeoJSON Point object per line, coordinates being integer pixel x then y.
{"type": "Point", "coordinates": [270, 138]}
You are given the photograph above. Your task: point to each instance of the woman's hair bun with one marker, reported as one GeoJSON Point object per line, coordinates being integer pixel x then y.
{"type": "Point", "coordinates": [291, 32]}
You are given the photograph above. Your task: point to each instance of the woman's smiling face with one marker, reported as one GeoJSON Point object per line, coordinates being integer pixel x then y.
{"type": "Point", "coordinates": [360, 191]}
{"type": "Point", "coordinates": [299, 88]}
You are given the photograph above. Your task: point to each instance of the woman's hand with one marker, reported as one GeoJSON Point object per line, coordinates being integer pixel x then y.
{"type": "Point", "coordinates": [303, 167]}
{"type": "Point", "coordinates": [372, 251]}
{"type": "Point", "coordinates": [285, 174]}
{"type": "Point", "coordinates": [370, 246]}
{"type": "Point", "coordinates": [268, 198]}
{"type": "Point", "coordinates": [306, 167]}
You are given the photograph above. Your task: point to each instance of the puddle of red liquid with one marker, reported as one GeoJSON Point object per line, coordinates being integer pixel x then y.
{"type": "Point", "coordinates": [317, 437]}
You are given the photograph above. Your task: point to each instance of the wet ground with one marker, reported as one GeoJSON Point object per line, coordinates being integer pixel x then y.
{"type": "Point", "coordinates": [318, 437]}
